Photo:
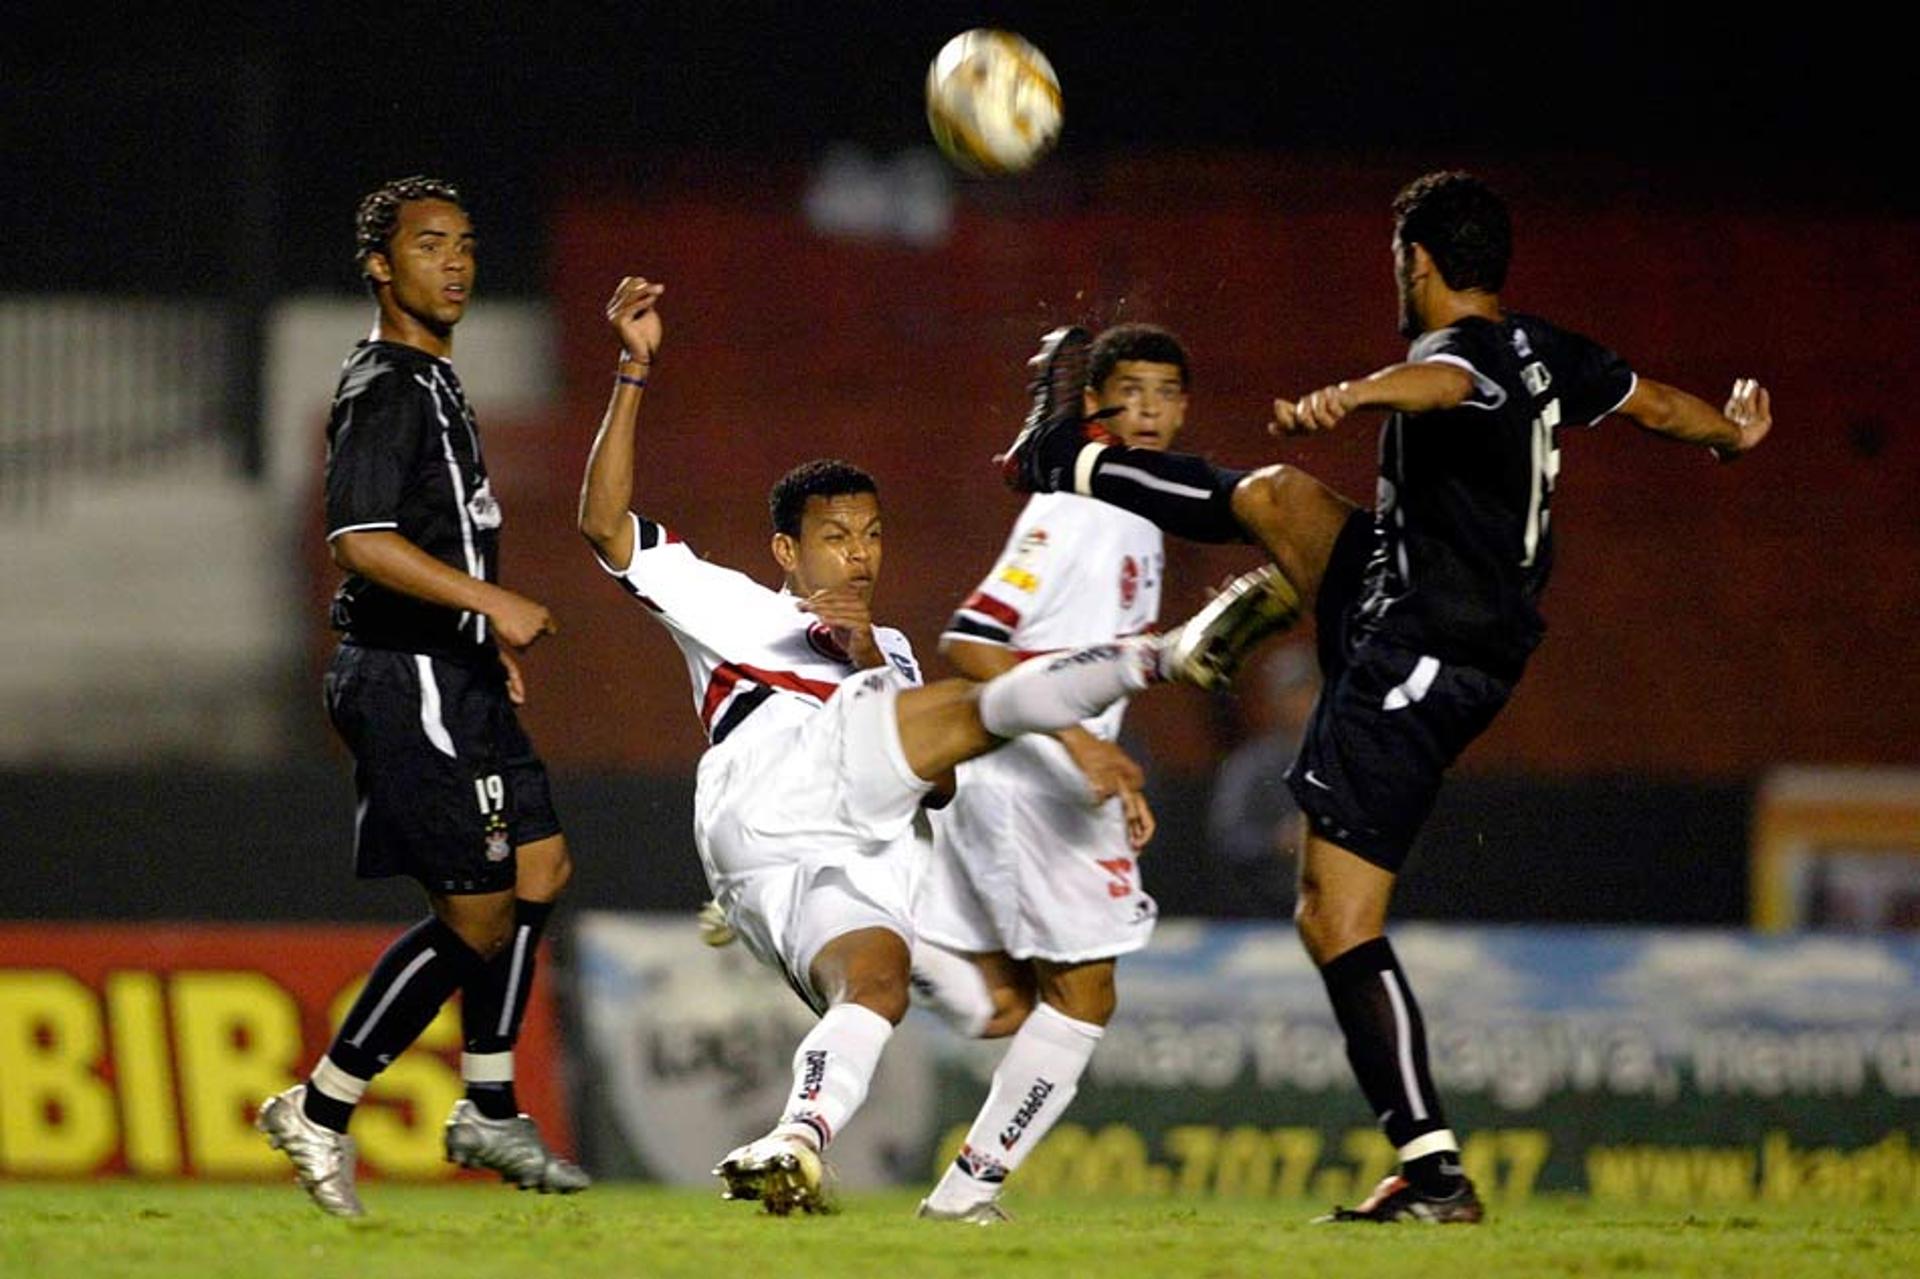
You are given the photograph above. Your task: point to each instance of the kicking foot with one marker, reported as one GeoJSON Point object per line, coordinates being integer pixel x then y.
{"type": "Point", "coordinates": [1207, 648]}
{"type": "Point", "coordinates": [1041, 457]}
{"type": "Point", "coordinates": [1395, 1199]}
{"type": "Point", "coordinates": [323, 1160]}
{"type": "Point", "coordinates": [512, 1148]}
{"type": "Point", "coordinates": [781, 1171]}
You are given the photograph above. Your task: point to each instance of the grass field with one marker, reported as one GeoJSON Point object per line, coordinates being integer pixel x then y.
{"type": "Point", "coordinates": [82, 1230]}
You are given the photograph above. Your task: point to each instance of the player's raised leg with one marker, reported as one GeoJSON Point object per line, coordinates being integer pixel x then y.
{"type": "Point", "coordinates": [950, 722]}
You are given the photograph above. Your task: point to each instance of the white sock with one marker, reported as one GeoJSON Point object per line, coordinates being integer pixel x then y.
{"type": "Point", "coordinates": [831, 1070]}
{"type": "Point", "coordinates": [1031, 1089]}
{"type": "Point", "coordinates": [331, 1081]}
{"type": "Point", "coordinates": [953, 987]}
{"type": "Point", "coordinates": [1050, 693]}
{"type": "Point", "coordinates": [486, 1068]}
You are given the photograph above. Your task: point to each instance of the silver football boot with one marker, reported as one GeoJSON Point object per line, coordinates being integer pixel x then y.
{"type": "Point", "coordinates": [1206, 649]}
{"type": "Point", "coordinates": [512, 1148]}
{"type": "Point", "coordinates": [323, 1159]}
{"type": "Point", "coordinates": [987, 1212]}
{"type": "Point", "coordinates": [782, 1172]}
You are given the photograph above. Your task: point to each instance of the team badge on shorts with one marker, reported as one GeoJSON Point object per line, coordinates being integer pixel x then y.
{"type": "Point", "coordinates": [499, 848]}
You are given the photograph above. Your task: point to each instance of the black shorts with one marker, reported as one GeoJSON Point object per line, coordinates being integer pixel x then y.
{"type": "Point", "coordinates": [448, 783]}
{"type": "Point", "coordinates": [1387, 725]}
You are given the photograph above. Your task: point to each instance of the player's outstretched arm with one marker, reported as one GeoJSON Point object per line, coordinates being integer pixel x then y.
{"type": "Point", "coordinates": [606, 492]}
{"type": "Point", "coordinates": [1404, 388]}
{"type": "Point", "coordinates": [1729, 432]}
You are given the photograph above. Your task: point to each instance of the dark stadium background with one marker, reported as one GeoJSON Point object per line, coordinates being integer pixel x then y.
{"type": "Point", "coordinates": [1717, 193]}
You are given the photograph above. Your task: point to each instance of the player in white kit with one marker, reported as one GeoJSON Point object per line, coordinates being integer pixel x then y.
{"type": "Point", "coordinates": [1034, 880]}
{"type": "Point", "coordinates": [823, 742]}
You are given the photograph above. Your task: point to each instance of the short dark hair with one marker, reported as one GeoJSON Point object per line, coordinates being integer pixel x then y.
{"type": "Point", "coordinates": [379, 213]}
{"type": "Point", "coordinates": [1148, 342]}
{"type": "Point", "coordinates": [822, 477]}
{"type": "Point", "coordinates": [1463, 225]}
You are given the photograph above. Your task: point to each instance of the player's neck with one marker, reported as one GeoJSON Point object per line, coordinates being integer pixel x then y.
{"type": "Point", "coordinates": [391, 324]}
{"type": "Point", "coordinates": [1449, 308]}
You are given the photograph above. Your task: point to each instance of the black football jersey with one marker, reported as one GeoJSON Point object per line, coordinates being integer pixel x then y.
{"type": "Point", "coordinates": [403, 453]}
{"type": "Point", "coordinates": [1461, 523]}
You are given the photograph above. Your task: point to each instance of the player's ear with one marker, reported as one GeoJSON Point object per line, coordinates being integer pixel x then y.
{"type": "Point", "coordinates": [378, 269]}
{"type": "Point", "coordinates": [1089, 402]}
{"type": "Point", "coordinates": [786, 551]}
{"type": "Point", "coordinates": [1421, 262]}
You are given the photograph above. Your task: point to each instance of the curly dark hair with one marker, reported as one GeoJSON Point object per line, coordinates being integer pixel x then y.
{"type": "Point", "coordinates": [1147, 342]}
{"type": "Point", "coordinates": [1463, 225]}
{"type": "Point", "coordinates": [379, 213]}
{"type": "Point", "coordinates": [823, 477]}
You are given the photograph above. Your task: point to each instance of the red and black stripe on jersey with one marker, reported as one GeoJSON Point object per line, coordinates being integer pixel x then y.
{"type": "Point", "coordinates": [984, 618]}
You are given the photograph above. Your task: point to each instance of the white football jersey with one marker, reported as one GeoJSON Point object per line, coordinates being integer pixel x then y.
{"type": "Point", "coordinates": [1075, 571]}
{"type": "Point", "coordinates": [755, 660]}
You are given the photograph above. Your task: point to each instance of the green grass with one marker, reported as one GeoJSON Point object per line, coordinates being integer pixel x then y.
{"type": "Point", "coordinates": [155, 1230]}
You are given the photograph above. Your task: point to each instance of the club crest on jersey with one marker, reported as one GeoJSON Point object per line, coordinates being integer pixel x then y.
{"type": "Point", "coordinates": [1129, 581]}
{"type": "Point", "coordinates": [820, 639]}
{"type": "Point", "coordinates": [482, 508]}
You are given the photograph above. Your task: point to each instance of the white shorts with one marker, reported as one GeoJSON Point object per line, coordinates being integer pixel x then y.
{"type": "Point", "coordinates": [806, 831]}
{"type": "Point", "coordinates": [1025, 863]}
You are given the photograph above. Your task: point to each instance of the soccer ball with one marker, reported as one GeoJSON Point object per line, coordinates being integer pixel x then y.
{"type": "Point", "coordinates": [993, 102]}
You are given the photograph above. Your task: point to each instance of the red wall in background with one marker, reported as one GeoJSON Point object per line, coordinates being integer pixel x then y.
{"type": "Point", "coordinates": [1705, 620]}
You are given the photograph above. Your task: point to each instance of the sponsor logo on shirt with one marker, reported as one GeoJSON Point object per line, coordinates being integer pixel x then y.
{"type": "Point", "coordinates": [1018, 578]}
{"type": "Point", "coordinates": [1022, 571]}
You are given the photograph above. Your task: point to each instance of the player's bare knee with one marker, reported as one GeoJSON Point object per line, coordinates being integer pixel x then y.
{"type": "Point", "coordinates": [1331, 929]}
{"type": "Point", "coordinates": [1012, 1005]}
{"type": "Point", "coordinates": [1084, 992]}
{"type": "Point", "coordinates": [545, 867]}
{"type": "Point", "coordinates": [882, 993]}
{"type": "Point", "coordinates": [485, 937]}
{"type": "Point", "coordinates": [1259, 499]}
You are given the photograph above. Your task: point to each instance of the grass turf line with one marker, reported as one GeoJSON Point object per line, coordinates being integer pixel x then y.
{"type": "Point", "coordinates": [159, 1231]}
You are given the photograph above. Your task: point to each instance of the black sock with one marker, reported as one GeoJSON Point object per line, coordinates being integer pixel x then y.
{"type": "Point", "coordinates": [494, 1003]}
{"type": "Point", "coordinates": [1184, 494]}
{"type": "Point", "coordinates": [416, 975]}
{"type": "Point", "coordinates": [1387, 1047]}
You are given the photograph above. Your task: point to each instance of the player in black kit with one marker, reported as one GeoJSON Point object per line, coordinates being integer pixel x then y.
{"type": "Point", "coordinates": [1426, 606]}
{"type": "Point", "coordinates": [422, 691]}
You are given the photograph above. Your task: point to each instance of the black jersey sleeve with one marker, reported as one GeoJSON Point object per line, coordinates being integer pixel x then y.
{"type": "Point", "coordinates": [379, 427]}
{"type": "Point", "coordinates": [1467, 348]}
{"type": "Point", "coordinates": [1592, 380]}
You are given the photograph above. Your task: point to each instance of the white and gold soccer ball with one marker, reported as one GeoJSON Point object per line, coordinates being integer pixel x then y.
{"type": "Point", "coordinates": [993, 102]}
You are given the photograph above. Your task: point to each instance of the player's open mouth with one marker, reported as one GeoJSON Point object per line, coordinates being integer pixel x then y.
{"type": "Point", "coordinates": [455, 292]}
